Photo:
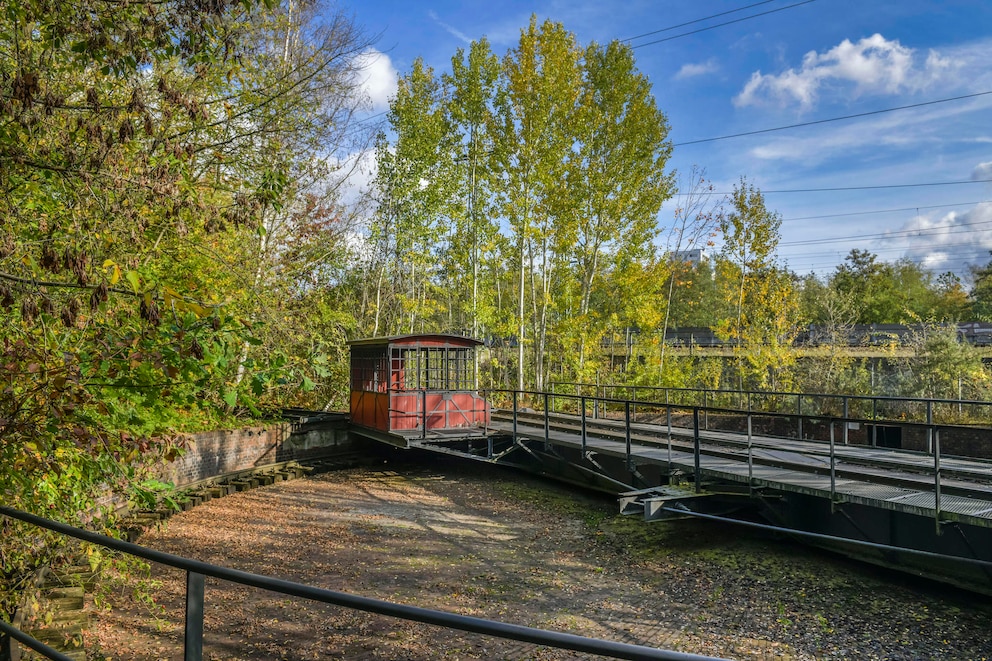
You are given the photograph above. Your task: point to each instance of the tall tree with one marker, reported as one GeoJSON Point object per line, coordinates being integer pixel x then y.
{"type": "Point", "coordinates": [416, 177]}
{"type": "Point", "coordinates": [759, 290]}
{"type": "Point", "coordinates": [617, 179]}
{"type": "Point", "coordinates": [536, 136]}
{"type": "Point", "coordinates": [475, 237]}
{"type": "Point", "coordinates": [692, 229]}
{"type": "Point", "coordinates": [981, 291]}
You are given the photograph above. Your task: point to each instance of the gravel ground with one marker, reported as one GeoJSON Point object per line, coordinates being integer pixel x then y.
{"type": "Point", "coordinates": [477, 540]}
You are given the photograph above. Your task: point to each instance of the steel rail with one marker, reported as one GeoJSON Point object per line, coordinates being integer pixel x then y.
{"type": "Point", "coordinates": [516, 632]}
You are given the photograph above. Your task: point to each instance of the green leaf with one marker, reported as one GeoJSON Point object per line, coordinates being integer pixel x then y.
{"type": "Point", "coordinates": [231, 398]}
{"type": "Point", "coordinates": [135, 280]}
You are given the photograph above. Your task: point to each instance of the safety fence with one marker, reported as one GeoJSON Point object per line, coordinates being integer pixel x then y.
{"type": "Point", "coordinates": [197, 571]}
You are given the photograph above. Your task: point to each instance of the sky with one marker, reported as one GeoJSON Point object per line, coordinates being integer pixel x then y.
{"type": "Point", "coordinates": [900, 182]}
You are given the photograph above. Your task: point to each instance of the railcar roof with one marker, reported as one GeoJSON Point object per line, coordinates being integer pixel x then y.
{"type": "Point", "coordinates": [460, 340]}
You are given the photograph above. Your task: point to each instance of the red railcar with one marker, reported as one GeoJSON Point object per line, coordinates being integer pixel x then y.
{"type": "Point", "coordinates": [416, 385]}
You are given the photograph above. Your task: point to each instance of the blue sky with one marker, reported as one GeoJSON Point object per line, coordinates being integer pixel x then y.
{"type": "Point", "coordinates": [819, 60]}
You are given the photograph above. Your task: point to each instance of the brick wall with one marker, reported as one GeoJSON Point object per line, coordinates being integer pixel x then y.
{"type": "Point", "coordinates": [231, 450]}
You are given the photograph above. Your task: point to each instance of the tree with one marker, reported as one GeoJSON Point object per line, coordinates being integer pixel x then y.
{"type": "Point", "coordinates": [536, 133]}
{"type": "Point", "coordinates": [762, 293]}
{"type": "Point", "coordinates": [417, 183]}
{"type": "Point", "coordinates": [475, 237]}
{"type": "Point", "coordinates": [871, 286]}
{"type": "Point", "coordinates": [981, 292]}
{"type": "Point", "coordinates": [693, 224]}
{"type": "Point", "coordinates": [145, 149]}
{"type": "Point", "coordinates": [616, 179]}
{"type": "Point", "coordinates": [952, 302]}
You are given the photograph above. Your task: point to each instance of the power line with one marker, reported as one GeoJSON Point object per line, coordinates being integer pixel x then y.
{"type": "Point", "coordinates": [720, 25]}
{"type": "Point", "coordinates": [832, 119]}
{"type": "Point", "coordinates": [852, 188]}
{"type": "Point", "coordinates": [889, 236]}
{"type": "Point", "coordinates": [698, 20]}
{"type": "Point", "coordinates": [896, 249]}
{"type": "Point", "coordinates": [866, 213]}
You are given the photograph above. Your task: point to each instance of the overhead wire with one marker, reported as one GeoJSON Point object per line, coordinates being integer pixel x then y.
{"type": "Point", "coordinates": [955, 248]}
{"type": "Point", "coordinates": [720, 25]}
{"type": "Point", "coordinates": [891, 236]}
{"type": "Point", "coordinates": [698, 20]}
{"type": "Point", "coordinates": [831, 119]}
{"type": "Point", "coordinates": [854, 188]}
{"type": "Point", "coordinates": [876, 211]}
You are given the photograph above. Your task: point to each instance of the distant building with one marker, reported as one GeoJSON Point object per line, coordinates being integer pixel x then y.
{"type": "Point", "coordinates": [693, 256]}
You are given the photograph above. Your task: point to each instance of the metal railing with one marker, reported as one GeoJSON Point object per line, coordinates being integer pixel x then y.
{"type": "Point", "coordinates": [625, 411]}
{"type": "Point", "coordinates": [196, 571]}
{"type": "Point", "coordinates": [874, 408]}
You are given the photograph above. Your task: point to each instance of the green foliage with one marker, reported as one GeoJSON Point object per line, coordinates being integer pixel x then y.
{"type": "Point", "coordinates": [763, 294]}
{"type": "Point", "coordinates": [981, 292]}
{"type": "Point", "coordinates": [943, 367]}
{"type": "Point", "coordinates": [157, 161]}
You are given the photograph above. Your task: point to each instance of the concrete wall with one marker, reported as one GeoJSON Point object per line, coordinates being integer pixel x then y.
{"type": "Point", "coordinates": [231, 450]}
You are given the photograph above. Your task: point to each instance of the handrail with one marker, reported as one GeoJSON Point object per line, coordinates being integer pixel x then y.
{"type": "Point", "coordinates": [932, 429]}
{"type": "Point", "coordinates": [771, 393]}
{"type": "Point", "coordinates": [619, 402]}
{"type": "Point", "coordinates": [197, 569]}
{"type": "Point", "coordinates": [36, 645]}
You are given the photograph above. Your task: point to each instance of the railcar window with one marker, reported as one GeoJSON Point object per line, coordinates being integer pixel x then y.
{"type": "Point", "coordinates": [368, 371]}
{"type": "Point", "coordinates": [434, 368]}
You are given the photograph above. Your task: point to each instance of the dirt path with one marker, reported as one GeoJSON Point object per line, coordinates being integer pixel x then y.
{"type": "Point", "coordinates": [475, 540]}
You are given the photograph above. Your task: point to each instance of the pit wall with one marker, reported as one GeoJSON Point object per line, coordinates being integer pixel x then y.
{"type": "Point", "coordinates": [215, 453]}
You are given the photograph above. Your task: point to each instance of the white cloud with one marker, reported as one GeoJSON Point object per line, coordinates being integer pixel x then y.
{"type": "Point", "coordinates": [982, 171]}
{"type": "Point", "coordinates": [952, 241]}
{"type": "Point", "coordinates": [873, 65]}
{"type": "Point", "coordinates": [377, 77]}
{"type": "Point", "coordinates": [936, 126]}
{"type": "Point", "coordinates": [694, 70]}
{"type": "Point", "coordinates": [357, 171]}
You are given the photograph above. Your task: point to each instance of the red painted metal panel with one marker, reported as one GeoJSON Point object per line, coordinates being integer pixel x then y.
{"type": "Point", "coordinates": [370, 409]}
{"type": "Point", "coordinates": [445, 410]}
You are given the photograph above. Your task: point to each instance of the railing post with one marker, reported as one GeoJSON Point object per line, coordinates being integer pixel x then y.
{"type": "Point", "coordinates": [833, 468]}
{"type": "Point", "coordinates": [874, 422]}
{"type": "Point", "coordinates": [547, 425]}
{"type": "Point", "coordinates": [929, 425]}
{"type": "Point", "coordinates": [626, 414]}
{"type": "Point", "coordinates": [695, 443]}
{"type": "Point", "coordinates": [706, 412]}
{"type": "Point", "coordinates": [936, 477]}
{"type": "Point", "coordinates": [193, 645]}
{"type": "Point", "coordinates": [582, 403]}
{"type": "Point", "coordinates": [485, 414]}
{"type": "Point", "coordinates": [750, 463]}
{"type": "Point", "coordinates": [515, 416]}
{"type": "Point", "coordinates": [668, 419]}
{"type": "Point", "coordinates": [799, 413]}
{"type": "Point", "coordinates": [846, 425]}
{"type": "Point", "coordinates": [423, 409]}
